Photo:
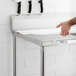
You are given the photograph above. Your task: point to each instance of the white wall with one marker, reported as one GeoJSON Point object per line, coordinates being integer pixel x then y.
{"type": "Point", "coordinates": [50, 6]}
{"type": "Point", "coordinates": [7, 8]}
{"type": "Point", "coordinates": [60, 60]}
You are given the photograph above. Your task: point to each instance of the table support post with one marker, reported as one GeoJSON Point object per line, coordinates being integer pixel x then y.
{"type": "Point", "coordinates": [14, 56]}
{"type": "Point", "coordinates": [42, 61]}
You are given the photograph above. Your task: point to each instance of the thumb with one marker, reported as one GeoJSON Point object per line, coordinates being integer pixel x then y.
{"type": "Point", "coordinates": [58, 26]}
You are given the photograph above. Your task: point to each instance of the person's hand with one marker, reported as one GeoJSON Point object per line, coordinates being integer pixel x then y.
{"type": "Point", "coordinates": [65, 28]}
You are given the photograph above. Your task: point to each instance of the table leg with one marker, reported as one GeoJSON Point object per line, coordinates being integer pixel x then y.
{"type": "Point", "coordinates": [14, 56]}
{"type": "Point", "coordinates": [42, 61]}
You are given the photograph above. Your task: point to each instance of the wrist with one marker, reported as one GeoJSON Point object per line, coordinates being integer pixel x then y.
{"type": "Point", "coordinates": [70, 22]}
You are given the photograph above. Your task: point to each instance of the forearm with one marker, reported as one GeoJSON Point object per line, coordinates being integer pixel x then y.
{"type": "Point", "coordinates": [72, 21]}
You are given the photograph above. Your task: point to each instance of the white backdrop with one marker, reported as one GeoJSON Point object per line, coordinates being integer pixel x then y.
{"type": "Point", "coordinates": [50, 6]}
{"type": "Point", "coordinates": [7, 8]}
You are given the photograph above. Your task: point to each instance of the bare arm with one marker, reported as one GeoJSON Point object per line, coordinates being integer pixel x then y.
{"type": "Point", "coordinates": [66, 26]}
{"type": "Point", "coordinates": [72, 21]}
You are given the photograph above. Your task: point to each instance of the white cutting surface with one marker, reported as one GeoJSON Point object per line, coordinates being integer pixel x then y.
{"type": "Point", "coordinates": [40, 31]}
{"type": "Point", "coordinates": [45, 31]}
{"type": "Point", "coordinates": [46, 34]}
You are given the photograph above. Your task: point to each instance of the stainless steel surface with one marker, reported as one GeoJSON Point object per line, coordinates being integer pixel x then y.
{"type": "Point", "coordinates": [50, 37]}
{"type": "Point", "coordinates": [42, 67]}
{"type": "Point", "coordinates": [34, 21]}
{"type": "Point", "coordinates": [27, 22]}
{"type": "Point", "coordinates": [14, 56]}
{"type": "Point", "coordinates": [42, 41]}
{"type": "Point", "coordinates": [45, 40]}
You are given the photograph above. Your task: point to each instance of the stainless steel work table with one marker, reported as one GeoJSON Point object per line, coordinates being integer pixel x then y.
{"type": "Point", "coordinates": [42, 41]}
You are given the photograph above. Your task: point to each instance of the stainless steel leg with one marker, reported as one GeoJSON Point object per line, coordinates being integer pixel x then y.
{"type": "Point", "coordinates": [14, 56]}
{"type": "Point", "coordinates": [42, 61]}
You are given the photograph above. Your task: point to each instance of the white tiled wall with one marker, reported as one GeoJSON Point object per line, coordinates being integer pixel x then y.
{"type": "Point", "coordinates": [51, 6]}
{"type": "Point", "coordinates": [28, 58]}
{"type": "Point", "coordinates": [60, 60]}
{"type": "Point", "coordinates": [64, 62]}
{"type": "Point", "coordinates": [59, 6]}
{"type": "Point", "coordinates": [7, 8]}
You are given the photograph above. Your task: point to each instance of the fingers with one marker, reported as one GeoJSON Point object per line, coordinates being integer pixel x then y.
{"type": "Point", "coordinates": [68, 33]}
{"type": "Point", "coordinates": [63, 33]}
{"type": "Point", "coordinates": [64, 28]}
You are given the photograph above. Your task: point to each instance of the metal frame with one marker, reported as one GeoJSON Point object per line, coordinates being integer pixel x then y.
{"type": "Point", "coordinates": [42, 57]}
{"type": "Point", "coordinates": [42, 61]}
{"type": "Point", "coordinates": [42, 68]}
{"type": "Point", "coordinates": [14, 56]}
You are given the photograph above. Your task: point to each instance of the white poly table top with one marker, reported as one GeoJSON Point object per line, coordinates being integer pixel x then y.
{"type": "Point", "coordinates": [44, 36]}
